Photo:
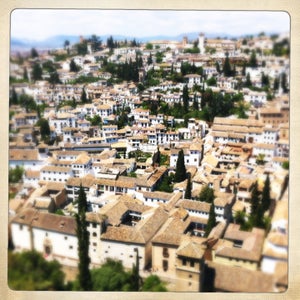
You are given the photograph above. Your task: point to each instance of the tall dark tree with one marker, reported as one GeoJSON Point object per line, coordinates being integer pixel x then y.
{"type": "Point", "coordinates": [218, 67]}
{"type": "Point", "coordinates": [180, 173]}
{"type": "Point", "coordinates": [34, 53]}
{"type": "Point", "coordinates": [25, 74]}
{"type": "Point", "coordinates": [150, 60]}
{"type": "Point", "coordinates": [212, 222]}
{"type": "Point", "coordinates": [14, 99]}
{"type": "Point", "coordinates": [95, 43]}
{"type": "Point", "coordinates": [73, 66]}
{"type": "Point", "coordinates": [248, 82]}
{"type": "Point", "coordinates": [284, 82]}
{"type": "Point", "coordinates": [44, 129]}
{"type": "Point", "coordinates": [84, 275]}
{"type": "Point", "coordinates": [84, 97]}
{"type": "Point", "coordinates": [185, 99]}
{"type": "Point", "coordinates": [227, 67]}
{"type": "Point", "coordinates": [253, 60]}
{"type": "Point", "coordinates": [276, 84]}
{"type": "Point", "coordinates": [195, 103]}
{"type": "Point", "coordinates": [266, 196]}
{"type": "Point", "coordinates": [255, 205]}
{"type": "Point", "coordinates": [188, 190]}
{"type": "Point", "coordinates": [66, 44]}
{"type": "Point", "coordinates": [37, 72]}
{"type": "Point", "coordinates": [156, 158]}
{"type": "Point", "coordinates": [54, 78]}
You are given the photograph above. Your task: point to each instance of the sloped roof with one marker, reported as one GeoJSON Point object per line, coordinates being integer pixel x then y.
{"type": "Point", "coordinates": [235, 279]}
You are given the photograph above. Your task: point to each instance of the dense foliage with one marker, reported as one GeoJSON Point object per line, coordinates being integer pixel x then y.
{"type": "Point", "coordinates": [29, 271]}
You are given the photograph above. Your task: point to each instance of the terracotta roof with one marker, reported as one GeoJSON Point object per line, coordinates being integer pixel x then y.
{"type": "Point", "coordinates": [191, 249]}
{"type": "Point", "coordinates": [24, 154]}
{"type": "Point", "coordinates": [86, 181]}
{"type": "Point", "coordinates": [46, 221]}
{"type": "Point", "coordinates": [234, 279]}
{"type": "Point", "coordinates": [82, 159]}
{"type": "Point", "coordinates": [194, 205]}
{"type": "Point", "coordinates": [139, 234]}
{"type": "Point", "coordinates": [56, 169]}
{"type": "Point", "coordinates": [158, 195]}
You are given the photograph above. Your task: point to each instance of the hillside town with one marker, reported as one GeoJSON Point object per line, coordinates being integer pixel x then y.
{"type": "Point", "coordinates": [181, 148]}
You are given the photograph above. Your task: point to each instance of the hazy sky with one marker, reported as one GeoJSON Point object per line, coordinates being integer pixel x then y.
{"type": "Point", "coordinates": [39, 24]}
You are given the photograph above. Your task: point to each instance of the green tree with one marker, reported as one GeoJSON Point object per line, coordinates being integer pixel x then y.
{"type": "Point", "coordinates": [96, 120]}
{"type": "Point", "coordinates": [266, 195]}
{"type": "Point", "coordinates": [84, 275]}
{"type": "Point", "coordinates": [211, 223]}
{"type": "Point", "coordinates": [27, 102]}
{"type": "Point", "coordinates": [153, 284]}
{"type": "Point", "coordinates": [180, 172]}
{"type": "Point", "coordinates": [149, 46]}
{"type": "Point", "coordinates": [111, 276]}
{"type": "Point", "coordinates": [81, 48]}
{"type": "Point", "coordinates": [37, 72]}
{"type": "Point", "coordinates": [166, 184]}
{"type": "Point", "coordinates": [206, 194]}
{"type": "Point", "coordinates": [29, 271]}
{"type": "Point", "coordinates": [15, 174]}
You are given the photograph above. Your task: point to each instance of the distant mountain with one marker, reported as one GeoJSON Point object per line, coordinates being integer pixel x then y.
{"type": "Point", "coordinates": [58, 41]}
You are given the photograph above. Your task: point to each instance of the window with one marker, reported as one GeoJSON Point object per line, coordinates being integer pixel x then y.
{"type": "Point", "coordinates": [94, 234]}
{"type": "Point", "coordinates": [192, 264]}
{"type": "Point", "coordinates": [165, 252]}
{"type": "Point", "coordinates": [165, 265]}
{"type": "Point", "coordinates": [184, 262]}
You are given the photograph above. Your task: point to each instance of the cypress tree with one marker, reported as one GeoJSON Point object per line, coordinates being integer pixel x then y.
{"type": "Point", "coordinates": [84, 275]}
{"type": "Point", "coordinates": [254, 199]}
{"type": "Point", "coordinates": [195, 103]}
{"type": "Point", "coordinates": [14, 99]}
{"type": "Point", "coordinates": [188, 190]}
{"type": "Point", "coordinates": [253, 61]}
{"type": "Point", "coordinates": [185, 99]}
{"type": "Point", "coordinates": [180, 173]}
{"type": "Point", "coordinates": [212, 222]}
{"type": "Point", "coordinates": [37, 72]}
{"type": "Point", "coordinates": [84, 98]}
{"type": "Point", "coordinates": [266, 197]}
{"type": "Point", "coordinates": [227, 67]}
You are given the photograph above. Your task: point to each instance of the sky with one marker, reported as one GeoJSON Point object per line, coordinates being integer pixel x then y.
{"type": "Point", "coordinates": [39, 24]}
